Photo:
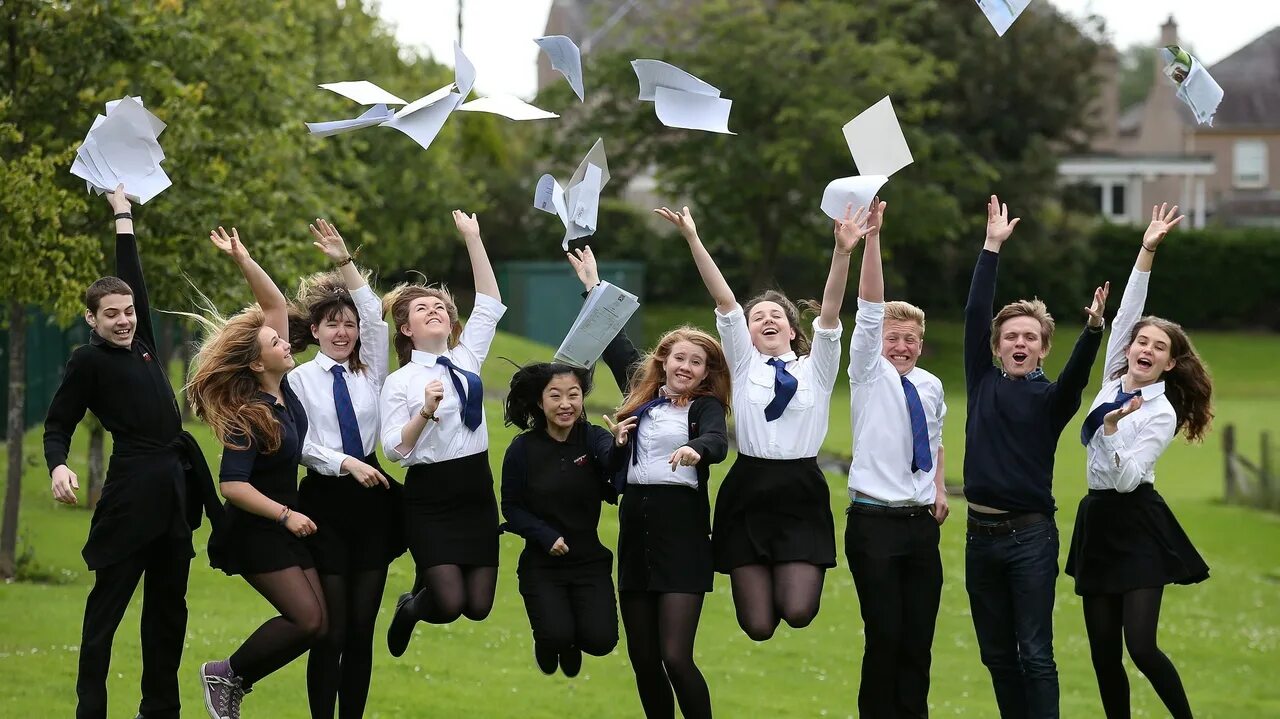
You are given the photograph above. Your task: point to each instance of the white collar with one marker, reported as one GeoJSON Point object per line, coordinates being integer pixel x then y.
{"type": "Point", "coordinates": [326, 362]}
{"type": "Point", "coordinates": [1149, 392]}
{"type": "Point", "coordinates": [426, 359]}
{"type": "Point", "coordinates": [788, 357]}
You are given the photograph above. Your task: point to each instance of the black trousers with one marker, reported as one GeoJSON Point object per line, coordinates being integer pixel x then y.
{"type": "Point", "coordinates": [571, 608]}
{"type": "Point", "coordinates": [163, 566]}
{"type": "Point", "coordinates": [898, 574]}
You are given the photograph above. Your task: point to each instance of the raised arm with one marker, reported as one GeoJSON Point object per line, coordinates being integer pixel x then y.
{"type": "Point", "coordinates": [481, 271]}
{"type": "Point", "coordinates": [129, 265]}
{"type": "Point", "coordinates": [871, 278]}
{"type": "Point", "coordinates": [374, 347]}
{"type": "Point", "coordinates": [980, 307]}
{"type": "Point", "coordinates": [620, 355]}
{"type": "Point", "coordinates": [265, 292]}
{"type": "Point", "coordinates": [330, 242]}
{"type": "Point", "coordinates": [847, 231]}
{"type": "Point", "coordinates": [711, 276]}
{"type": "Point", "coordinates": [1075, 373]}
{"type": "Point", "coordinates": [868, 325]}
{"type": "Point", "coordinates": [1134, 299]}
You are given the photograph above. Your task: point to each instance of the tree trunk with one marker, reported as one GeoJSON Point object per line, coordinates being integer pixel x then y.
{"type": "Point", "coordinates": [97, 465]}
{"type": "Point", "coordinates": [14, 428]}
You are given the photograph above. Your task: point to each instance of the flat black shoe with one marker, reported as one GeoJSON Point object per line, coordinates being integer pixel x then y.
{"type": "Point", "coordinates": [571, 661]}
{"type": "Point", "coordinates": [401, 629]}
{"type": "Point", "coordinates": [547, 659]}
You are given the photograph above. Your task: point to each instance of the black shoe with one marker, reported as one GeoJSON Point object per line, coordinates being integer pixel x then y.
{"type": "Point", "coordinates": [546, 658]}
{"type": "Point", "coordinates": [401, 629]}
{"type": "Point", "coordinates": [571, 661]}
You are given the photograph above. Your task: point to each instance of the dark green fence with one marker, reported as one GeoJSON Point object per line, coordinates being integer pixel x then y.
{"type": "Point", "coordinates": [543, 298]}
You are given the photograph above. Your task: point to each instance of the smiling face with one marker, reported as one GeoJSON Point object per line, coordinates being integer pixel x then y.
{"type": "Point", "coordinates": [114, 321]}
{"type": "Point", "coordinates": [1150, 355]}
{"type": "Point", "coordinates": [274, 356]}
{"type": "Point", "coordinates": [771, 331]}
{"type": "Point", "coordinates": [429, 322]}
{"type": "Point", "coordinates": [1020, 345]}
{"type": "Point", "coordinates": [685, 367]}
{"type": "Point", "coordinates": [562, 401]}
{"type": "Point", "coordinates": [337, 334]}
{"type": "Point", "coordinates": [902, 342]}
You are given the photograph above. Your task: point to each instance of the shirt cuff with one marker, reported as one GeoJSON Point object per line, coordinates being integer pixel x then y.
{"type": "Point", "coordinates": [726, 319]}
{"type": "Point", "coordinates": [821, 333]}
{"type": "Point", "coordinates": [492, 304]}
{"type": "Point", "coordinates": [1110, 441]}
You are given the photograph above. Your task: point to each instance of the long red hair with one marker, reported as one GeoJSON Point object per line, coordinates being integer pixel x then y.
{"type": "Point", "coordinates": [651, 375]}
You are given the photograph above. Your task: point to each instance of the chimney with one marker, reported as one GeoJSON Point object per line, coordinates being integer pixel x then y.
{"type": "Point", "coordinates": [1169, 32]}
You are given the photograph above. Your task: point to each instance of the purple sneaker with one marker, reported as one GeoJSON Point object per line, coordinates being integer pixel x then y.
{"type": "Point", "coordinates": [222, 690]}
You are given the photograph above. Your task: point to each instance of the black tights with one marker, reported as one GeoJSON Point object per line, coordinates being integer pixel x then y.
{"type": "Point", "coordinates": [765, 594]}
{"type": "Point", "coordinates": [340, 664]}
{"type": "Point", "coordinates": [660, 631]}
{"type": "Point", "coordinates": [296, 594]}
{"type": "Point", "coordinates": [1132, 616]}
{"type": "Point", "coordinates": [445, 592]}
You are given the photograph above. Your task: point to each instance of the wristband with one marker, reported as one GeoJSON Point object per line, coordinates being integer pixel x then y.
{"type": "Point", "coordinates": [347, 261]}
{"type": "Point", "coordinates": [124, 216]}
{"type": "Point", "coordinates": [429, 416]}
{"type": "Point", "coordinates": [1148, 249]}
{"type": "Point", "coordinates": [284, 516]}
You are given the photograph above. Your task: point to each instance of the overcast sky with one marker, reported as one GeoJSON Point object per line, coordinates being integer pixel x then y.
{"type": "Point", "coordinates": [499, 33]}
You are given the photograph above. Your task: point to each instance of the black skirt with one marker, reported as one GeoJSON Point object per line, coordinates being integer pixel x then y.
{"type": "Point", "coordinates": [357, 528]}
{"type": "Point", "coordinates": [450, 514]}
{"type": "Point", "coordinates": [1130, 540]}
{"type": "Point", "coordinates": [771, 511]}
{"type": "Point", "coordinates": [664, 542]}
{"type": "Point", "coordinates": [249, 544]}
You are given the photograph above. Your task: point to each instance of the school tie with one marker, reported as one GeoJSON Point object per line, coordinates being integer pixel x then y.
{"type": "Point", "coordinates": [471, 398]}
{"type": "Point", "coordinates": [1095, 418]}
{"type": "Point", "coordinates": [784, 388]}
{"type": "Point", "coordinates": [921, 459]}
{"type": "Point", "coordinates": [348, 425]}
{"type": "Point", "coordinates": [641, 412]}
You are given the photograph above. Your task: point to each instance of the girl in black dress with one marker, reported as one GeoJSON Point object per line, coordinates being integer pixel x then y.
{"type": "Point", "coordinates": [239, 387]}
{"type": "Point", "coordinates": [672, 426]}
{"type": "Point", "coordinates": [554, 477]}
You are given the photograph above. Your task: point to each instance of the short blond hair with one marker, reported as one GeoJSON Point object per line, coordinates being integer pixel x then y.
{"type": "Point", "coordinates": [1034, 309]}
{"type": "Point", "coordinates": [899, 311]}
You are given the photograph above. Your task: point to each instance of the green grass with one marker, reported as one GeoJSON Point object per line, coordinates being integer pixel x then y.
{"type": "Point", "coordinates": [1224, 635]}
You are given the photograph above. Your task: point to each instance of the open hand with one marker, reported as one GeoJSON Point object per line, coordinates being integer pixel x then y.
{"type": "Point", "coordinates": [999, 226]}
{"type": "Point", "coordinates": [1163, 219]}
{"type": "Point", "coordinates": [468, 226]}
{"type": "Point", "coordinates": [621, 430]}
{"type": "Point", "coordinates": [682, 220]}
{"type": "Point", "coordinates": [1096, 309]}
{"type": "Point", "coordinates": [584, 264]}
{"type": "Point", "coordinates": [853, 227]}
{"type": "Point", "coordinates": [329, 241]}
{"type": "Point", "coordinates": [1111, 421]}
{"type": "Point", "coordinates": [230, 244]}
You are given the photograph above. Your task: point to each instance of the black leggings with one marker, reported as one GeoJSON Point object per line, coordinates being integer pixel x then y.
{"type": "Point", "coordinates": [1130, 619]}
{"type": "Point", "coordinates": [341, 663]}
{"type": "Point", "coordinates": [445, 592]}
{"type": "Point", "coordinates": [765, 594]}
{"type": "Point", "coordinates": [297, 595]}
{"type": "Point", "coordinates": [661, 628]}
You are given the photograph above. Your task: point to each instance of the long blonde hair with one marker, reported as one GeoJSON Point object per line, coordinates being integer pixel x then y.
{"type": "Point", "coordinates": [223, 389]}
{"type": "Point", "coordinates": [397, 302]}
{"type": "Point", "coordinates": [650, 375]}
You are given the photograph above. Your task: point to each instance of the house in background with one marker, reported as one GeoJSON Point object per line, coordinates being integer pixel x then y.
{"type": "Point", "coordinates": [1155, 152]}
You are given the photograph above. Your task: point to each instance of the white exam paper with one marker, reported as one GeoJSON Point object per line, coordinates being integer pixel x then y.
{"type": "Point", "coordinates": [566, 59]}
{"type": "Point", "coordinates": [363, 92]}
{"type": "Point", "coordinates": [375, 115]}
{"type": "Point", "coordinates": [876, 141]}
{"type": "Point", "coordinates": [691, 111]}
{"type": "Point", "coordinates": [858, 190]}
{"type": "Point", "coordinates": [1002, 13]}
{"type": "Point", "coordinates": [508, 106]}
{"type": "Point", "coordinates": [602, 316]}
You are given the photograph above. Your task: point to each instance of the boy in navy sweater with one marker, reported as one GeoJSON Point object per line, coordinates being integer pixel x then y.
{"type": "Point", "coordinates": [1015, 417]}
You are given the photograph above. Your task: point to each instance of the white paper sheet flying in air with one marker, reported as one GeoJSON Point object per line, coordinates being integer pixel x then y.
{"type": "Point", "coordinates": [375, 115]}
{"type": "Point", "coordinates": [602, 316]}
{"type": "Point", "coordinates": [577, 203]}
{"type": "Point", "coordinates": [1197, 89]}
{"type": "Point", "coordinates": [510, 107]}
{"type": "Point", "coordinates": [1002, 13]}
{"type": "Point", "coordinates": [879, 149]}
{"type": "Point", "coordinates": [122, 147]}
{"type": "Point", "coordinates": [680, 99]}
{"type": "Point", "coordinates": [423, 122]}
{"type": "Point", "coordinates": [364, 92]}
{"type": "Point", "coordinates": [566, 59]}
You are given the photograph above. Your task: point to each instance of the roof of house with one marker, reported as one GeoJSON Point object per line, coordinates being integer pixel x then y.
{"type": "Point", "coordinates": [1250, 80]}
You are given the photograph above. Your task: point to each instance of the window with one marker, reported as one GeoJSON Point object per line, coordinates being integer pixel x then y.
{"type": "Point", "coordinates": [1249, 164]}
{"type": "Point", "coordinates": [1117, 201]}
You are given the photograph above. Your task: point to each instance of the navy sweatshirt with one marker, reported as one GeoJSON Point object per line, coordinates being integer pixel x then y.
{"type": "Point", "coordinates": [1012, 428]}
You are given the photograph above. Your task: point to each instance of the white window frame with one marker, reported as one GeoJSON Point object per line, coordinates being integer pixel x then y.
{"type": "Point", "coordinates": [1249, 159]}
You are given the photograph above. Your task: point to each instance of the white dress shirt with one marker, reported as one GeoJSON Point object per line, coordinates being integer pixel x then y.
{"type": "Point", "coordinates": [313, 383]}
{"type": "Point", "coordinates": [799, 432]}
{"type": "Point", "coordinates": [1127, 458]}
{"type": "Point", "coordinates": [664, 430]}
{"type": "Point", "coordinates": [403, 394]}
{"type": "Point", "coordinates": [882, 442]}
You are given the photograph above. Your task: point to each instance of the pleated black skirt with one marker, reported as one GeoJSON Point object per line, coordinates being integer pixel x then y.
{"type": "Point", "coordinates": [249, 544]}
{"type": "Point", "coordinates": [358, 528]}
{"type": "Point", "coordinates": [664, 542]}
{"type": "Point", "coordinates": [771, 511]}
{"type": "Point", "coordinates": [450, 513]}
{"type": "Point", "coordinates": [1131, 540]}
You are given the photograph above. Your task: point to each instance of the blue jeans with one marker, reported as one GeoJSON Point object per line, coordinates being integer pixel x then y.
{"type": "Point", "coordinates": [1010, 579]}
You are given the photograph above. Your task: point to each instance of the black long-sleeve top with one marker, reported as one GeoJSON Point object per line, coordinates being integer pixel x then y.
{"type": "Point", "coordinates": [1012, 428]}
{"type": "Point", "coordinates": [553, 489]}
{"type": "Point", "coordinates": [155, 466]}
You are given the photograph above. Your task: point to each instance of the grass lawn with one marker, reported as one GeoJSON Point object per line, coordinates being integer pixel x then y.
{"type": "Point", "coordinates": [1224, 635]}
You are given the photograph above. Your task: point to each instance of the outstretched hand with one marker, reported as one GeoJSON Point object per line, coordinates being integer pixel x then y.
{"type": "Point", "coordinates": [1112, 418]}
{"type": "Point", "coordinates": [584, 264]}
{"type": "Point", "coordinates": [853, 227]}
{"type": "Point", "coordinates": [1163, 219]}
{"type": "Point", "coordinates": [328, 240]}
{"type": "Point", "coordinates": [468, 226]}
{"type": "Point", "coordinates": [1099, 305]}
{"type": "Point", "coordinates": [620, 430]}
{"type": "Point", "coordinates": [999, 226]}
{"type": "Point", "coordinates": [682, 220]}
{"type": "Point", "coordinates": [229, 244]}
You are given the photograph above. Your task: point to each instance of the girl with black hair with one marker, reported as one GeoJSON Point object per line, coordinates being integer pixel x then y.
{"type": "Point", "coordinates": [554, 476]}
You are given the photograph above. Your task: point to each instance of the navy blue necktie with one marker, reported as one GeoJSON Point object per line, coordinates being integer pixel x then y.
{"type": "Point", "coordinates": [784, 388]}
{"type": "Point", "coordinates": [641, 412]}
{"type": "Point", "coordinates": [348, 425]}
{"type": "Point", "coordinates": [471, 398]}
{"type": "Point", "coordinates": [921, 458]}
{"type": "Point", "coordinates": [1099, 413]}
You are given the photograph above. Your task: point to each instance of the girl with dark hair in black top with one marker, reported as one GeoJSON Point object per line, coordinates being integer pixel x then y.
{"type": "Point", "coordinates": [554, 477]}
